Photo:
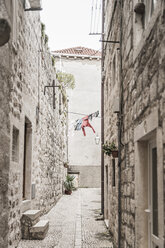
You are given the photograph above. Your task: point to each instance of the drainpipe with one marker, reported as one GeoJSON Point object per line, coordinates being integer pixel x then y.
{"type": "Point", "coordinates": [120, 128]}
{"type": "Point", "coordinates": [102, 113]}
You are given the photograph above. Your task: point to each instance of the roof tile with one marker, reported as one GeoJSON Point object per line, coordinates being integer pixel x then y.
{"type": "Point", "coordinates": [79, 51]}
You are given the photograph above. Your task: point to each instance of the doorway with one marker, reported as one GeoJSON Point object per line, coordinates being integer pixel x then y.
{"type": "Point", "coordinates": [26, 186]}
{"type": "Point", "coordinates": [153, 197]}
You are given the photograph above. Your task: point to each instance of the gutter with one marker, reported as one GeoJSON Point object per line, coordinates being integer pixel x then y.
{"type": "Point", "coordinates": [75, 56]}
{"type": "Point", "coordinates": [102, 113]}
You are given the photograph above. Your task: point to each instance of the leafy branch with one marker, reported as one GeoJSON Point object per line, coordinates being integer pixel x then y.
{"type": "Point", "coordinates": [66, 78]}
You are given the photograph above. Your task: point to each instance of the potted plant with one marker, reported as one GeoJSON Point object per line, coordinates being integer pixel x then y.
{"type": "Point", "coordinates": [66, 164]}
{"type": "Point", "coordinates": [110, 149]}
{"type": "Point", "coordinates": [68, 184]}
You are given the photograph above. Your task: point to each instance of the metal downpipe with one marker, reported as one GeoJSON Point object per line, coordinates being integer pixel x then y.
{"type": "Point", "coordinates": [102, 113]}
{"type": "Point", "coordinates": [120, 116]}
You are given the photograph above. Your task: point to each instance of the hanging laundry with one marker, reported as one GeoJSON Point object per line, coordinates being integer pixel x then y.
{"type": "Point", "coordinates": [85, 123]}
{"type": "Point", "coordinates": [96, 114]}
{"type": "Point", "coordinates": [78, 124]}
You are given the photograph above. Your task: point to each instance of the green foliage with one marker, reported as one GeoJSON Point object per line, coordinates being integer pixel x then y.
{"type": "Point", "coordinates": [42, 29]}
{"type": "Point", "coordinates": [46, 38]}
{"type": "Point", "coordinates": [108, 148]}
{"type": "Point", "coordinates": [68, 184]}
{"type": "Point", "coordinates": [66, 78]}
{"type": "Point", "coordinates": [53, 61]}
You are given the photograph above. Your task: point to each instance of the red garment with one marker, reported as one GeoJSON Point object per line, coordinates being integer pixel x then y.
{"type": "Point", "coordinates": [86, 123]}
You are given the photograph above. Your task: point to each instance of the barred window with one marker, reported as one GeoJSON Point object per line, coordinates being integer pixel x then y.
{"type": "Point", "coordinates": [15, 145]}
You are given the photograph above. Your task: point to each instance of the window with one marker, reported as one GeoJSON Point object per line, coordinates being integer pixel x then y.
{"type": "Point", "coordinates": [15, 145]}
{"type": "Point", "coordinates": [154, 192]}
{"type": "Point", "coordinates": [150, 7]}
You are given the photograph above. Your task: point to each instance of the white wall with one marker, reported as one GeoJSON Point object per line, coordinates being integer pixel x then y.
{"type": "Point", "coordinates": [85, 98]}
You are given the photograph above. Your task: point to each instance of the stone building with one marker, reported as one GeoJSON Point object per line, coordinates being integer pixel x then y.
{"type": "Point", "coordinates": [133, 87]}
{"type": "Point", "coordinates": [33, 122]}
{"type": "Point", "coordinates": [83, 153]}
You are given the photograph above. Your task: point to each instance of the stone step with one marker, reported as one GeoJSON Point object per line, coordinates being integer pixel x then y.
{"type": "Point", "coordinates": [29, 219]}
{"type": "Point", "coordinates": [39, 230]}
{"type": "Point", "coordinates": [32, 214]}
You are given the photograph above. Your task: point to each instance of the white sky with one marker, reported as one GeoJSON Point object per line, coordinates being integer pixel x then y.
{"type": "Point", "coordinates": [68, 24]}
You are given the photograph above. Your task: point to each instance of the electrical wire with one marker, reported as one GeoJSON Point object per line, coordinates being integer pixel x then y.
{"type": "Point", "coordinates": [79, 114]}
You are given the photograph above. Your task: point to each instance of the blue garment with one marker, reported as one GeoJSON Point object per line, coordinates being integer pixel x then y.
{"type": "Point", "coordinates": [78, 124]}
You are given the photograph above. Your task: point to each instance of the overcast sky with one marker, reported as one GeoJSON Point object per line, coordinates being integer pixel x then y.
{"type": "Point", "coordinates": [68, 24]}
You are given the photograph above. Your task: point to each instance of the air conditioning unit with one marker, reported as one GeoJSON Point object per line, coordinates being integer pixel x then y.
{"type": "Point", "coordinates": [33, 5]}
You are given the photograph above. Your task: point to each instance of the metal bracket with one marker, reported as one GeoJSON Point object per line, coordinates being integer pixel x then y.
{"type": "Point", "coordinates": [33, 9]}
{"type": "Point", "coordinates": [28, 7]}
{"type": "Point", "coordinates": [110, 41]}
{"type": "Point", "coordinates": [54, 93]}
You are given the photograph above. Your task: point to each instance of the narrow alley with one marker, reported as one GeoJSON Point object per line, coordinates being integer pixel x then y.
{"type": "Point", "coordinates": [74, 222]}
{"type": "Point", "coordinates": [82, 124]}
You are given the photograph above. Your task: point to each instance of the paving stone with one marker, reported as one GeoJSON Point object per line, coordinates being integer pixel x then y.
{"type": "Point", "coordinates": [72, 223]}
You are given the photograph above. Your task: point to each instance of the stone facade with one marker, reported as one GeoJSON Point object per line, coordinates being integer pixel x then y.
{"type": "Point", "coordinates": [32, 131]}
{"type": "Point", "coordinates": [134, 71]}
{"type": "Point", "coordinates": [84, 99]}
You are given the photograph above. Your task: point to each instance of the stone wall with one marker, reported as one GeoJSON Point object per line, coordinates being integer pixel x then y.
{"type": "Point", "coordinates": [89, 176]}
{"type": "Point", "coordinates": [4, 134]}
{"type": "Point", "coordinates": [143, 75]}
{"type": "Point", "coordinates": [25, 69]}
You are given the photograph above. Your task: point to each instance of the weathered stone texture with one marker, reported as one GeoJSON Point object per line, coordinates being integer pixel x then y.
{"type": "Point", "coordinates": [25, 69]}
{"type": "Point", "coordinates": [143, 75]}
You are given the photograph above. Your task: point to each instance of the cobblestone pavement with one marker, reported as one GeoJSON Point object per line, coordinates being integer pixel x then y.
{"type": "Point", "coordinates": [74, 223]}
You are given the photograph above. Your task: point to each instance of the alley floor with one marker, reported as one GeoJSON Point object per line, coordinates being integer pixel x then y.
{"type": "Point", "coordinates": [74, 223]}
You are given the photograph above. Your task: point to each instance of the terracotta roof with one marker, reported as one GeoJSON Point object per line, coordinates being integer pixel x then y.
{"type": "Point", "coordinates": [79, 51]}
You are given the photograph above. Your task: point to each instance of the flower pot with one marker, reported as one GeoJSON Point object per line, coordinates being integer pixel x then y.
{"type": "Point", "coordinates": [67, 192]}
{"type": "Point", "coordinates": [115, 154]}
{"type": "Point", "coordinates": [65, 165]}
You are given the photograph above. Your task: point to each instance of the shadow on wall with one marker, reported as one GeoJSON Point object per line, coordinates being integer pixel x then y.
{"type": "Point", "coordinates": [4, 32]}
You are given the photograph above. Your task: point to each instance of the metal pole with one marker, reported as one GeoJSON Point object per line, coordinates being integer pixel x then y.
{"type": "Point", "coordinates": [102, 114]}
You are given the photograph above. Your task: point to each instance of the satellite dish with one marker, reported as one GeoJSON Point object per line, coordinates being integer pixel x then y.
{"type": "Point", "coordinates": [4, 32]}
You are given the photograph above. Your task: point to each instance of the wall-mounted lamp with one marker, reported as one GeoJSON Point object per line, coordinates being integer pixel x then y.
{"type": "Point", "coordinates": [97, 139]}
{"type": "Point", "coordinates": [32, 5]}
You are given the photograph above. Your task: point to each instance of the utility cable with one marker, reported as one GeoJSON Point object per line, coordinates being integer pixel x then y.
{"type": "Point", "coordinates": [79, 114]}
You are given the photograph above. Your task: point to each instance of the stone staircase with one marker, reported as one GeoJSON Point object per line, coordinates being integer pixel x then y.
{"type": "Point", "coordinates": [31, 225]}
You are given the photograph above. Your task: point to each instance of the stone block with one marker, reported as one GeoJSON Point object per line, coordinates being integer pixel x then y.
{"type": "Point", "coordinates": [32, 214]}
{"type": "Point", "coordinates": [39, 230]}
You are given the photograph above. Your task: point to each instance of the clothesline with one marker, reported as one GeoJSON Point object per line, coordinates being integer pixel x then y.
{"type": "Point", "coordinates": [79, 114]}
{"type": "Point", "coordinates": [84, 122]}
